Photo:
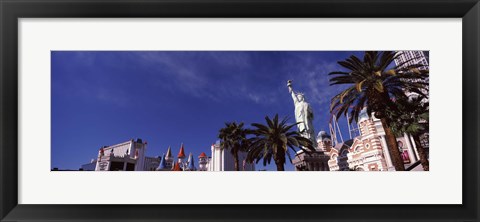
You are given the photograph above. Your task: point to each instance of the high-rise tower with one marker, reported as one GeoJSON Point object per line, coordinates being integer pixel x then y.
{"type": "Point", "coordinates": [408, 58]}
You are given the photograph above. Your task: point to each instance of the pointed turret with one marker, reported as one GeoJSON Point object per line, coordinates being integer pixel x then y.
{"type": "Point", "coordinates": [189, 157]}
{"type": "Point", "coordinates": [191, 163]}
{"type": "Point", "coordinates": [162, 166]}
{"type": "Point", "coordinates": [169, 159]}
{"type": "Point", "coordinates": [202, 162]}
{"type": "Point", "coordinates": [177, 167]}
{"type": "Point", "coordinates": [181, 154]}
{"type": "Point", "coordinates": [169, 152]}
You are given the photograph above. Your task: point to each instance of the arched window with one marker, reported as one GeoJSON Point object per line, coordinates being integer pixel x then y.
{"type": "Point", "coordinates": [357, 148]}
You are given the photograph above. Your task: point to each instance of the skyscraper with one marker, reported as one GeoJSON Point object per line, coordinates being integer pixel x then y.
{"type": "Point", "coordinates": [408, 58]}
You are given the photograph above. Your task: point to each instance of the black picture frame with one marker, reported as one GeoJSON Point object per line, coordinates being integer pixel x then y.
{"type": "Point", "coordinates": [12, 10]}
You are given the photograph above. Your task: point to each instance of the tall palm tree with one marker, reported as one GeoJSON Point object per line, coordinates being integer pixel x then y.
{"type": "Point", "coordinates": [272, 141]}
{"type": "Point", "coordinates": [374, 83]}
{"type": "Point", "coordinates": [411, 117]}
{"type": "Point", "coordinates": [233, 137]}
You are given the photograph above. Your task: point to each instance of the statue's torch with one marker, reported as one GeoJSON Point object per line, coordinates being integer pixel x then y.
{"type": "Point", "coordinates": [289, 85]}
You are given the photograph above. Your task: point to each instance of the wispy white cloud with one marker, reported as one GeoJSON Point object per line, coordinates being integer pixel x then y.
{"type": "Point", "coordinates": [118, 98]}
{"type": "Point", "coordinates": [314, 82]}
{"type": "Point", "coordinates": [254, 97]}
{"type": "Point", "coordinates": [203, 75]}
{"type": "Point", "coordinates": [74, 84]}
{"type": "Point", "coordinates": [194, 78]}
{"type": "Point", "coordinates": [265, 98]}
{"type": "Point", "coordinates": [235, 59]}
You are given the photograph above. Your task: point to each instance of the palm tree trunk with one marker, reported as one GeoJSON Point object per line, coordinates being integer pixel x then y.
{"type": "Point", "coordinates": [280, 160]}
{"type": "Point", "coordinates": [397, 160]}
{"type": "Point", "coordinates": [235, 158]}
{"type": "Point", "coordinates": [280, 166]}
{"type": "Point", "coordinates": [421, 153]}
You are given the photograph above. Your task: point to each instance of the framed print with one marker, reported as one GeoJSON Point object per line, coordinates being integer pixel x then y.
{"type": "Point", "coordinates": [278, 110]}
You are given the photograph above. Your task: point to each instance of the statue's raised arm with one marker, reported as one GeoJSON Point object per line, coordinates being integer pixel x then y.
{"type": "Point", "coordinates": [290, 90]}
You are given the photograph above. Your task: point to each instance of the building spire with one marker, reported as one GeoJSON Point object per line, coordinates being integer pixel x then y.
{"type": "Point", "coordinates": [162, 165]}
{"type": "Point", "coordinates": [191, 163]}
{"type": "Point", "coordinates": [181, 154]}
{"type": "Point", "coordinates": [169, 152]}
{"type": "Point", "coordinates": [177, 167]}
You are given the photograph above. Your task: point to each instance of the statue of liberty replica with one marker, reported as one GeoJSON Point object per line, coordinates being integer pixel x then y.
{"type": "Point", "coordinates": [303, 114]}
{"type": "Point", "coordinates": [313, 161]}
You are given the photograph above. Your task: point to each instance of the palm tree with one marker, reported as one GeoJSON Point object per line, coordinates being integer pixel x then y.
{"type": "Point", "coordinates": [272, 141]}
{"type": "Point", "coordinates": [372, 83]}
{"type": "Point", "coordinates": [411, 117]}
{"type": "Point", "coordinates": [234, 137]}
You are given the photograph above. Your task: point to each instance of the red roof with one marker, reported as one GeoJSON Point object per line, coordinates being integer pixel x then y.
{"type": "Point", "coordinates": [177, 167]}
{"type": "Point", "coordinates": [181, 154]}
{"type": "Point", "coordinates": [202, 155]}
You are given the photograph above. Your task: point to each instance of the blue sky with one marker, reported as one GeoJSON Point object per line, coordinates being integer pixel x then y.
{"type": "Point", "coordinates": [166, 98]}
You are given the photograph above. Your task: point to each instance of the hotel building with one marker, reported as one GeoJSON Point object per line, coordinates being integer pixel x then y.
{"type": "Point", "coordinates": [369, 152]}
{"type": "Point", "coordinates": [316, 160]}
{"type": "Point", "coordinates": [130, 156]}
{"type": "Point", "coordinates": [126, 156]}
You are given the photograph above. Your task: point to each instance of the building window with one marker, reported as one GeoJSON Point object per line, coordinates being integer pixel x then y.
{"type": "Point", "coordinates": [365, 129]}
{"type": "Point", "coordinates": [357, 148]}
{"type": "Point", "coordinates": [130, 167]}
{"type": "Point", "coordinates": [116, 166]}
